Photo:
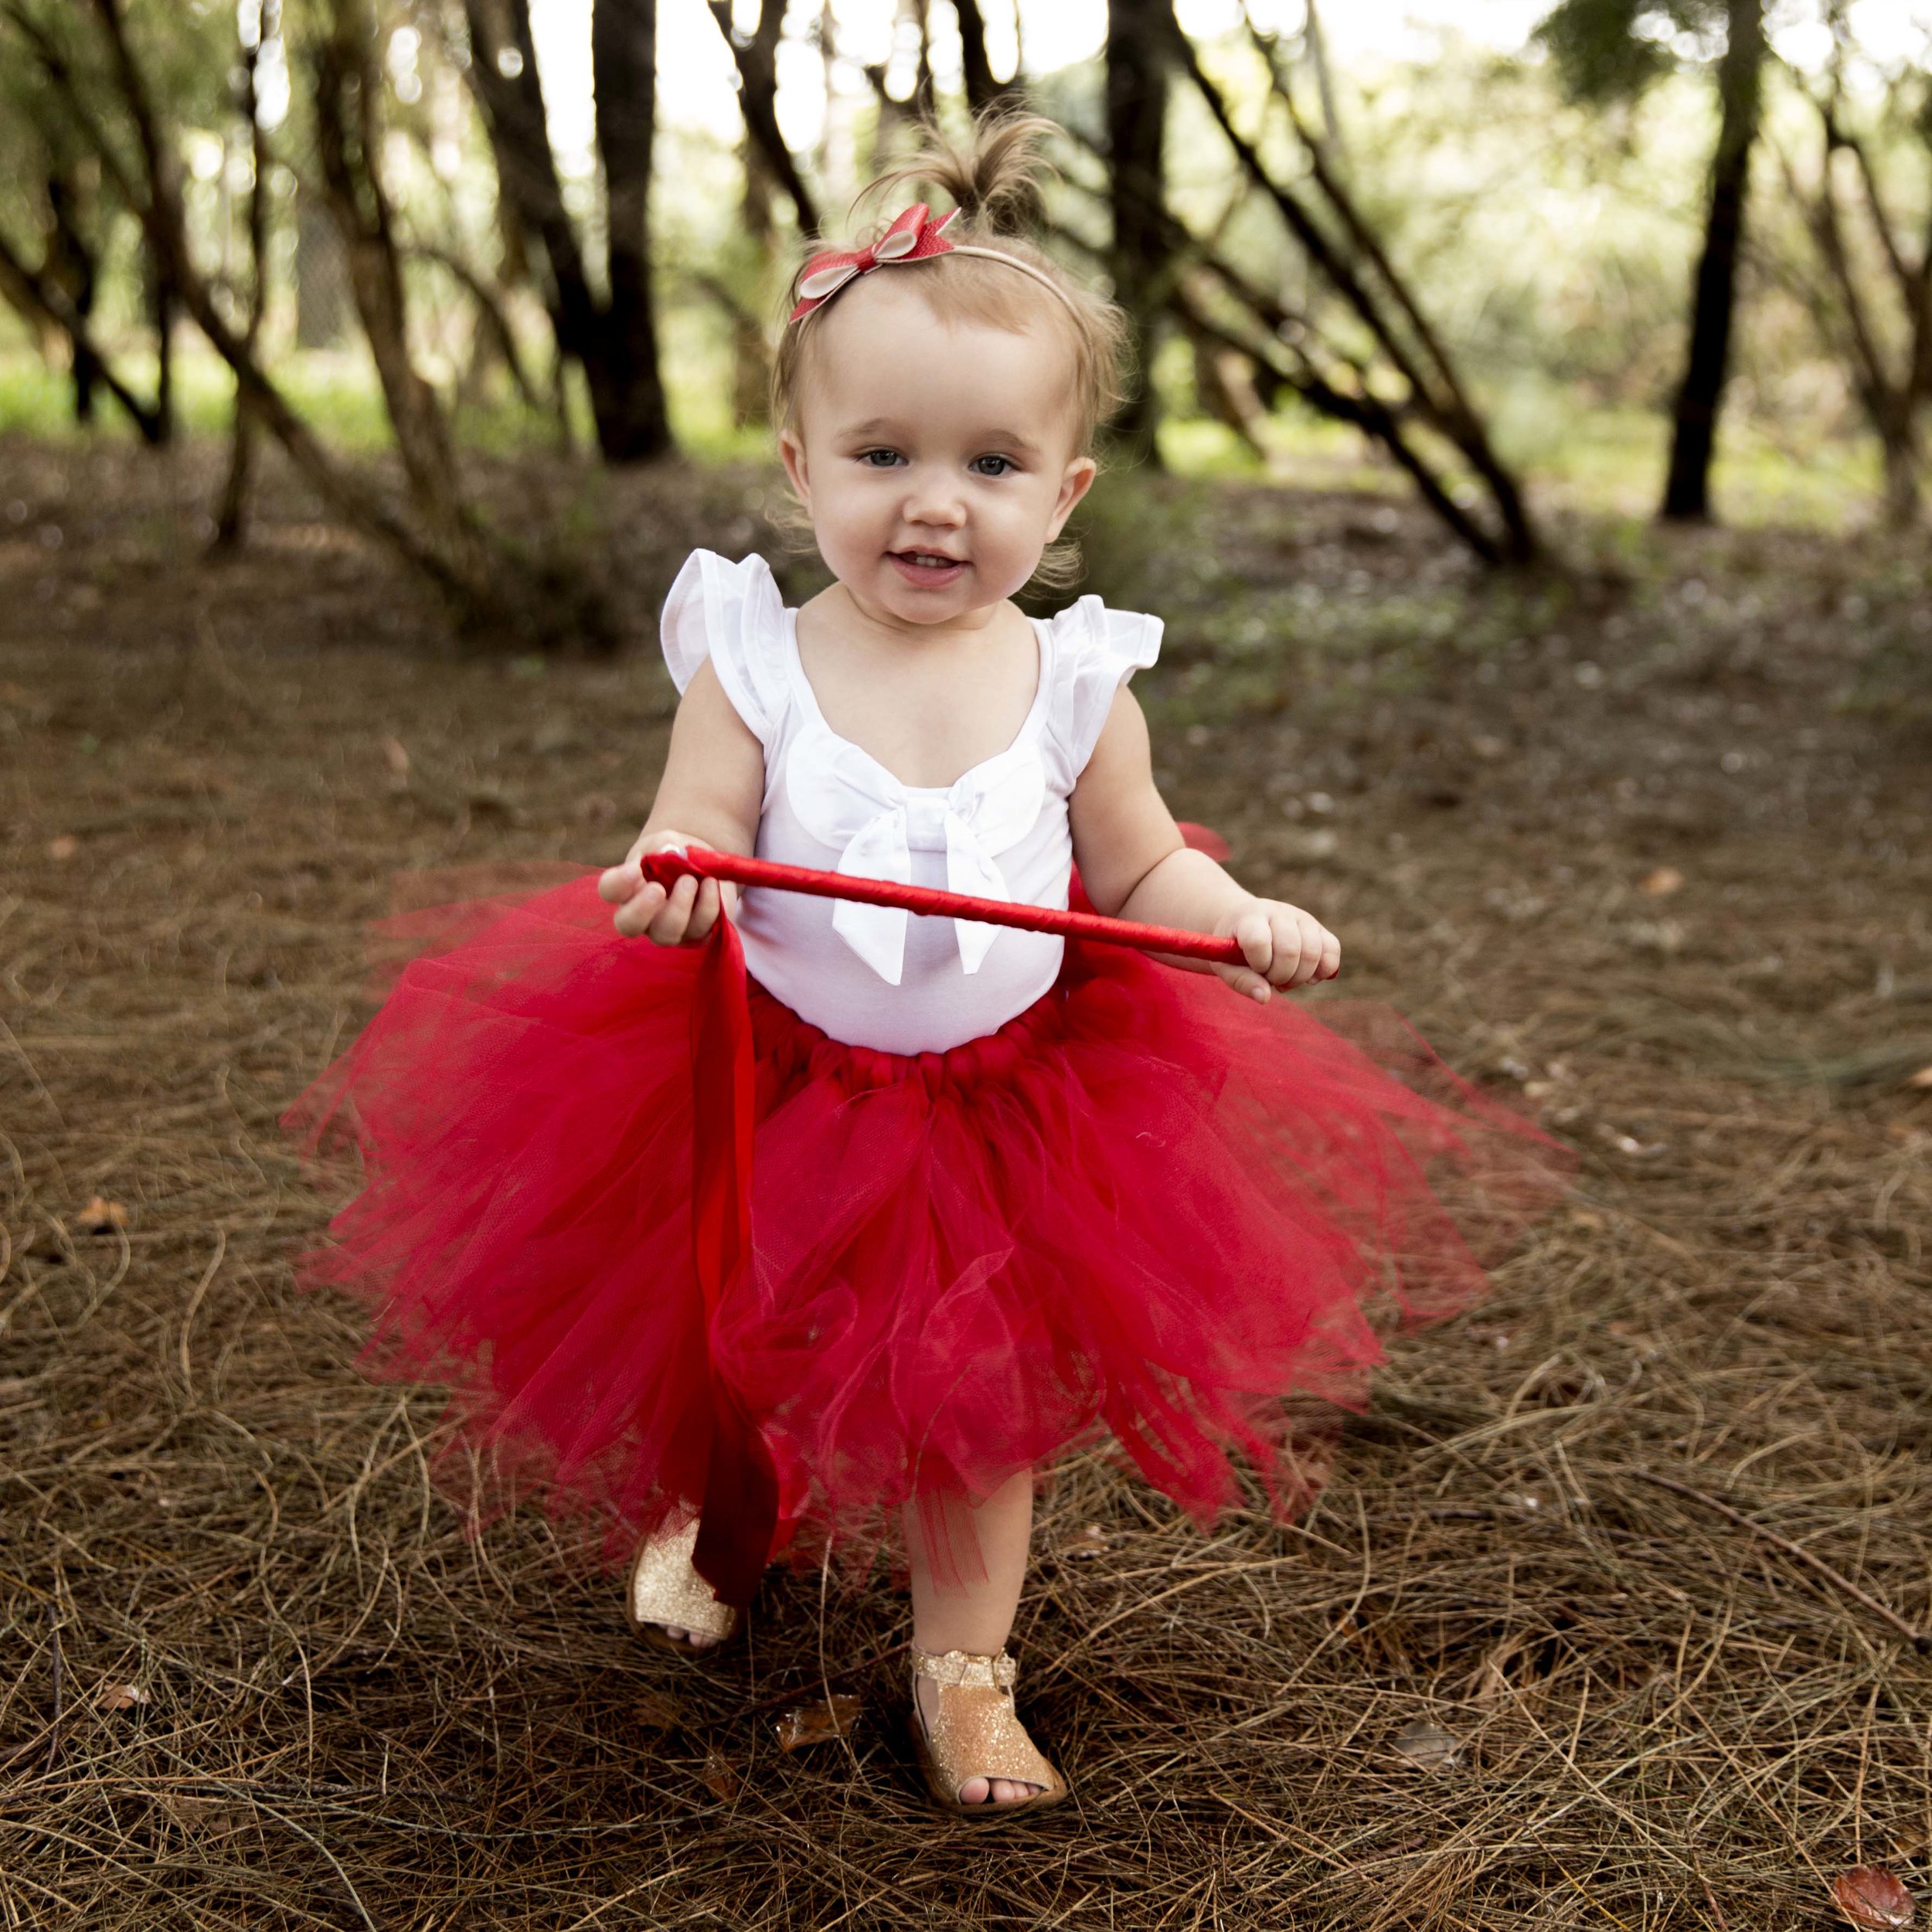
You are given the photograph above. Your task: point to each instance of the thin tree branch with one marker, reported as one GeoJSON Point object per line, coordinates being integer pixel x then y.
{"type": "Point", "coordinates": [489, 306]}
{"type": "Point", "coordinates": [33, 293]}
{"type": "Point", "coordinates": [756, 59]}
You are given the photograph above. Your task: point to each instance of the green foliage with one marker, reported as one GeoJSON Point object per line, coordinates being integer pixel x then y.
{"type": "Point", "coordinates": [1599, 52]}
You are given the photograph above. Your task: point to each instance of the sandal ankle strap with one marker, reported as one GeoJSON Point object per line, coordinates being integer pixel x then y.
{"type": "Point", "coordinates": [963, 1667]}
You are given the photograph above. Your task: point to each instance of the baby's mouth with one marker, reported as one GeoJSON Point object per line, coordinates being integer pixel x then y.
{"type": "Point", "coordinates": [927, 567]}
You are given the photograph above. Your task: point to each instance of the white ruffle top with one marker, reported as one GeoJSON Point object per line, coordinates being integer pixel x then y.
{"type": "Point", "coordinates": [871, 975]}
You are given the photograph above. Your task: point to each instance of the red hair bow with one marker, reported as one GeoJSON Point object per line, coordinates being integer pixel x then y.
{"type": "Point", "coordinates": [914, 236]}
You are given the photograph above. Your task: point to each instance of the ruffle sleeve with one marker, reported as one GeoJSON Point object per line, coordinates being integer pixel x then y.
{"type": "Point", "coordinates": [733, 614]}
{"type": "Point", "coordinates": [1095, 651]}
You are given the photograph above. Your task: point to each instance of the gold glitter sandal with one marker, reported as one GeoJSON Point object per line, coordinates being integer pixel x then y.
{"type": "Point", "coordinates": [665, 1590]}
{"type": "Point", "coordinates": [976, 1733]}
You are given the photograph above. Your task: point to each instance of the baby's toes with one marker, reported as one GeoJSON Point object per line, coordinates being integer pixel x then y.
{"type": "Point", "coordinates": [976, 1791]}
{"type": "Point", "coordinates": [1008, 1791]}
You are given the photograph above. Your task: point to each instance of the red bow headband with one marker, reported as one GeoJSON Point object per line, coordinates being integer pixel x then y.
{"type": "Point", "coordinates": [913, 236]}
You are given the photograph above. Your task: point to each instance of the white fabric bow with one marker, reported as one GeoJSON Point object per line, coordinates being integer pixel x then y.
{"type": "Point", "coordinates": [847, 800]}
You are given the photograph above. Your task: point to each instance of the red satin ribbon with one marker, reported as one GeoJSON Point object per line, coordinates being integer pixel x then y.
{"type": "Point", "coordinates": [740, 1505]}
{"type": "Point", "coordinates": [740, 1509]}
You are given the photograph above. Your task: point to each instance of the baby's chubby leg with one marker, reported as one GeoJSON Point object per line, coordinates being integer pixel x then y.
{"type": "Point", "coordinates": [975, 1616]}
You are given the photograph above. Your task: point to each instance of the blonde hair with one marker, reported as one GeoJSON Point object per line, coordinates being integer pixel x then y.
{"type": "Point", "coordinates": [993, 179]}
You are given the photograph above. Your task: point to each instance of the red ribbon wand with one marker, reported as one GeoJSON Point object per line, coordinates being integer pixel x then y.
{"type": "Point", "coordinates": [740, 1511]}
{"type": "Point", "coordinates": [667, 868]}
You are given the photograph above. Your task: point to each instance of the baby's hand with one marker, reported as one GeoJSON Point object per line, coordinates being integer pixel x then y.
{"type": "Point", "coordinates": [681, 916]}
{"type": "Point", "coordinates": [1283, 945]}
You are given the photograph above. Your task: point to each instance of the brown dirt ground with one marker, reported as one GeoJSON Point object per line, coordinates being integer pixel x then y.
{"type": "Point", "coordinates": [1641, 847]}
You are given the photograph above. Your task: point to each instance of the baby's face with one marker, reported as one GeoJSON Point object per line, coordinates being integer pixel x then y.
{"type": "Point", "coordinates": [936, 460]}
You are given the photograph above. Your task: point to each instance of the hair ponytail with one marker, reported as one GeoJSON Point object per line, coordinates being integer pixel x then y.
{"type": "Point", "coordinates": [993, 179]}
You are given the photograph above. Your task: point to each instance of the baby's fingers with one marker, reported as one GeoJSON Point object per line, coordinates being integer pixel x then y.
{"type": "Point", "coordinates": [704, 914]}
{"type": "Point", "coordinates": [635, 915]}
{"type": "Point", "coordinates": [674, 917]}
{"type": "Point", "coordinates": [617, 883]}
{"type": "Point", "coordinates": [1330, 964]}
{"type": "Point", "coordinates": [1257, 941]}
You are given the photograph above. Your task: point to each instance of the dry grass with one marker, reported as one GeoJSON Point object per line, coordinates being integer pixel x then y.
{"type": "Point", "coordinates": [255, 1674]}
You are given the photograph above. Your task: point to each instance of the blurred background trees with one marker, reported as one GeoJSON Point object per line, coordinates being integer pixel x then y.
{"type": "Point", "coordinates": [1676, 250]}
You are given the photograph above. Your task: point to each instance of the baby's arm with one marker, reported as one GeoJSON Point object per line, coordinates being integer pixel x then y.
{"type": "Point", "coordinates": [1133, 865]}
{"type": "Point", "coordinates": [711, 793]}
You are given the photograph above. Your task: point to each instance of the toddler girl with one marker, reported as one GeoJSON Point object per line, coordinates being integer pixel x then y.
{"type": "Point", "coordinates": [1009, 1193]}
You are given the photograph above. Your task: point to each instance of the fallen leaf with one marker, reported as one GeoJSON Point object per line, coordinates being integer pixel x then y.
{"type": "Point", "coordinates": [1922, 1078]}
{"type": "Point", "coordinates": [1428, 1746]}
{"type": "Point", "coordinates": [1091, 1541]}
{"type": "Point", "coordinates": [1869, 1896]}
{"type": "Point", "coordinates": [653, 1712]}
{"type": "Point", "coordinates": [205, 1816]}
{"type": "Point", "coordinates": [719, 1777]}
{"type": "Point", "coordinates": [1663, 881]}
{"type": "Point", "coordinates": [120, 1697]}
{"type": "Point", "coordinates": [102, 1216]}
{"type": "Point", "coordinates": [813, 1723]}
{"type": "Point", "coordinates": [63, 847]}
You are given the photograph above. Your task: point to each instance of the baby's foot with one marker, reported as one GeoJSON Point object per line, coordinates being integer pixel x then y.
{"type": "Point", "coordinates": [677, 1634]}
{"type": "Point", "coordinates": [670, 1603]}
{"type": "Point", "coordinates": [976, 1791]}
{"type": "Point", "coordinates": [972, 1747]}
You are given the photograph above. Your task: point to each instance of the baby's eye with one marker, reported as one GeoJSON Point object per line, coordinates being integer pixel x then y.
{"type": "Point", "coordinates": [881, 459]}
{"type": "Point", "coordinates": [992, 465]}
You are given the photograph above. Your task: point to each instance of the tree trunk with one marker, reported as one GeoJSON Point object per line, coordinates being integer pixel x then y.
{"type": "Point", "coordinates": [346, 89]}
{"type": "Point", "coordinates": [982, 91]}
{"type": "Point", "coordinates": [232, 512]}
{"type": "Point", "coordinates": [632, 424]}
{"type": "Point", "coordinates": [1899, 442]}
{"type": "Point", "coordinates": [756, 56]}
{"type": "Point", "coordinates": [614, 344]}
{"type": "Point", "coordinates": [162, 302]}
{"type": "Point", "coordinates": [1139, 33]}
{"type": "Point", "coordinates": [69, 267]}
{"type": "Point", "coordinates": [750, 361]}
{"type": "Point", "coordinates": [1740, 86]}
{"type": "Point", "coordinates": [503, 70]}
{"type": "Point", "coordinates": [925, 86]}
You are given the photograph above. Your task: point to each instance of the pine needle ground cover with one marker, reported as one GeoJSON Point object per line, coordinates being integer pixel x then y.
{"type": "Point", "coordinates": [1606, 1616]}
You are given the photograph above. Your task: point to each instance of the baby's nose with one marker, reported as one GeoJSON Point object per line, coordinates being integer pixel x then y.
{"type": "Point", "coordinates": [934, 502]}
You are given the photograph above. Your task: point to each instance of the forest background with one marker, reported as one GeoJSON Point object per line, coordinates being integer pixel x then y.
{"type": "Point", "coordinates": [1501, 250]}
{"type": "Point", "coordinates": [1530, 479]}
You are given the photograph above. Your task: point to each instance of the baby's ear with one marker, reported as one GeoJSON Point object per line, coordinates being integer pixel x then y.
{"type": "Point", "coordinates": [1076, 480]}
{"type": "Point", "coordinates": [791, 453]}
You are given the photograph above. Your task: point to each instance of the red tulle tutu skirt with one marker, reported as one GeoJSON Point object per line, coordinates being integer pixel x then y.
{"type": "Point", "coordinates": [1145, 1210]}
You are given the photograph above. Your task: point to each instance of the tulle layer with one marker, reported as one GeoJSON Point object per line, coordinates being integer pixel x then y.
{"type": "Point", "coordinates": [1145, 1209]}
